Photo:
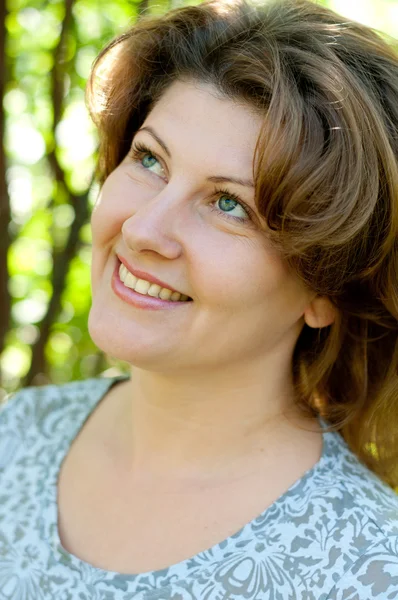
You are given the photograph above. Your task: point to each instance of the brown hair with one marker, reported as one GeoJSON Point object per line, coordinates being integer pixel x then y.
{"type": "Point", "coordinates": [326, 174]}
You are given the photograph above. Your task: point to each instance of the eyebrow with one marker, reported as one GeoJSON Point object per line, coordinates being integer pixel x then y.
{"type": "Point", "coordinates": [213, 178]}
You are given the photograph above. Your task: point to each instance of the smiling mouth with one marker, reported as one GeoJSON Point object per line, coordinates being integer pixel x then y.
{"type": "Point", "coordinates": [146, 288]}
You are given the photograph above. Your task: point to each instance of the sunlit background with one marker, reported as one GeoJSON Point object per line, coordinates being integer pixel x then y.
{"type": "Point", "coordinates": [50, 152]}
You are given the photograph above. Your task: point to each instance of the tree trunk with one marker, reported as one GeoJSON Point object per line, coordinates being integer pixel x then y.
{"type": "Point", "coordinates": [5, 211]}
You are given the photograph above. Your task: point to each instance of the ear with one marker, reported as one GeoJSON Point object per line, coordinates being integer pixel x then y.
{"type": "Point", "coordinates": [320, 313]}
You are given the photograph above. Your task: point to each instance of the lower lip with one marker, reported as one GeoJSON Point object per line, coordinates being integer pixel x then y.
{"type": "Point", "coordinates": [139, 300]}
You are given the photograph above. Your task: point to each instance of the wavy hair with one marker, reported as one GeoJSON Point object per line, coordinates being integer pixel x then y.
{"type": "Point", "coordinates": [326, 174]}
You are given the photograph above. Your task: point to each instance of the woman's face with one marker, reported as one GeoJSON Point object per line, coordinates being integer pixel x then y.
{"type": "Point", "coordinates": [180, 207]}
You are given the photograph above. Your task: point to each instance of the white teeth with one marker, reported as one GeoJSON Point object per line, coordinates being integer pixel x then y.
{"type": "Point", "coordinates": [165, 294]}
{"type": "Point", "coordinates": [146, 288]}
{"type": "Point", "coordinates": [123, 272]}
{"type": "Point", "coordinates": [130, 280]}
{"type": "Point", "coordinates": [142, 286]}
{"type": "Point", "coordinates": [154, 290]}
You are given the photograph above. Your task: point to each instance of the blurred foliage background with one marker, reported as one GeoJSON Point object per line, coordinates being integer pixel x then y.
{"type": "Point", "coordinates": [48, 151]}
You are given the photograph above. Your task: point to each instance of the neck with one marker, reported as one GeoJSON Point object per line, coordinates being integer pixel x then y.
{"type": "Point", "coordinates": [204, 427]}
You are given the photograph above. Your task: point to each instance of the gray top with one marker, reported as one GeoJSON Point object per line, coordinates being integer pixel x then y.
{"type": "Point", "coordinates": [332, 535]}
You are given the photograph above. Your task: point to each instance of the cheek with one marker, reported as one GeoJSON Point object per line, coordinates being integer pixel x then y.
{"type": "Point", "coordinates": [99, 260]}
{"type": "Point", "coordinates": [106, 223]}
{"type": "Point", "coordinates": [106, 219]}
{"type": "Point", "coordinates": [115, 204]}
{"type": "Point", "coordinates": [239, 270]}
{"type": "Point", "coordinates": [247, 276]}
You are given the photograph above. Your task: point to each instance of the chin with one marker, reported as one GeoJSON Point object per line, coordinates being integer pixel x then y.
{"type": "Point", "coordinates": [110, 336]}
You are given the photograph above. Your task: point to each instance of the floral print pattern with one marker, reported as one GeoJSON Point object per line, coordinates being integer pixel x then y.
{"type": "Point", "coordinates": [333, 535]}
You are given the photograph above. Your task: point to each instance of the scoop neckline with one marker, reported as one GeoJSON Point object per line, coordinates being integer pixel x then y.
{"type": "Point", "coordinates": [50, 500]}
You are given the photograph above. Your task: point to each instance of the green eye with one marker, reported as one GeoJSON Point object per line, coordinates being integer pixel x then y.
{"type": "Point", "coordinates": [227, 203]}
{"type": "Point", "coordinates": [148, 161]}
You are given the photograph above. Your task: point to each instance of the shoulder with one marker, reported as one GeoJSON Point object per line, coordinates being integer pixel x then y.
{"type": "Point", "coordinates": [368, 526]}
{"type": "Point", "coordinates": [343, 493]}
{"type": "Point", "coordinates": [360, 493]}
{"type": "Point", "coordinates": [31, 406]}
{"type": "Point", "coordinates": [374, 574]}
{"type": "Point", "coordinates": [359, 513]}
{"type": "Point", "coordinates": [43, 413]}
{"type": "Point", "coordinates": [338, 519]}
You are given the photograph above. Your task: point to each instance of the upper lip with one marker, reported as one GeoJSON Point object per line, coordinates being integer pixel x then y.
{"type": "Point", "coordinates": [146, 276]}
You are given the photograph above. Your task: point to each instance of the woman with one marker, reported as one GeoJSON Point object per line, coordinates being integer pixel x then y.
{"type": "Point", "coordinates": [244, 264]}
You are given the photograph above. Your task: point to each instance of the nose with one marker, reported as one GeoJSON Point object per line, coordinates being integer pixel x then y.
{"type": "Point", "coordinates": [156, 224]}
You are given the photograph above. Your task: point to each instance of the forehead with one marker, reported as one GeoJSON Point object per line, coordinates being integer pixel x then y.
{"type": "Point", "coordinates": [195, 117]}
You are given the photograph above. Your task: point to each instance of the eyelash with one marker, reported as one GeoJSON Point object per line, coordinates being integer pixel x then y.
{"type": "Point", "coordinates": [139, 150]}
